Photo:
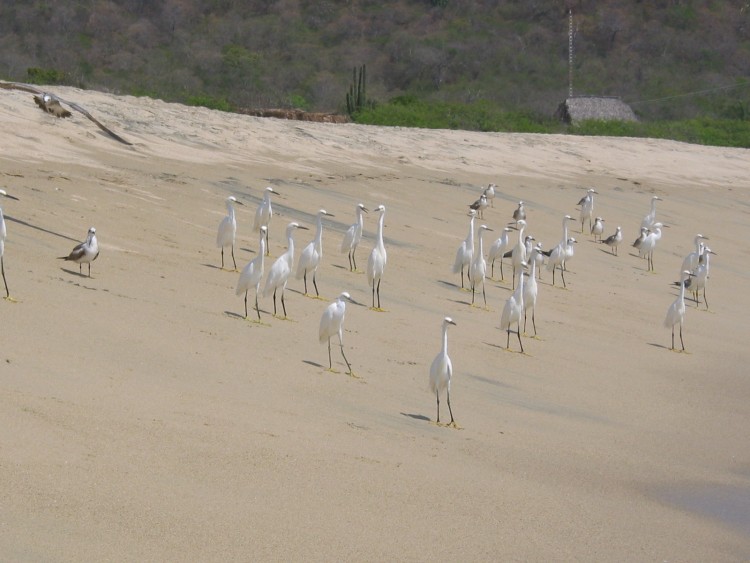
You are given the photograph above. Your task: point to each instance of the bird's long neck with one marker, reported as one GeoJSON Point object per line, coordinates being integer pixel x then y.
{"type": "Point", "coordinates": [380, 229]}
{"type": "Point", "coordinates": [445, 339]}
{"type": "Point", "coordinates": [470, 236]}
{"type": "Point", "coordinates": [262, 250]}
{"type": "Point", "coordinates": [360, 219]}
{"type": "Point", "coordinates": [290, 248]}
{"type": "Point", "coordinates": [230, 210]}
{"type": "Point", "coordinates": [682, 288]}
{"type": "Point", "coordinates": [480, 250]}
{"type": "Point", "coordinates": [319, 235]}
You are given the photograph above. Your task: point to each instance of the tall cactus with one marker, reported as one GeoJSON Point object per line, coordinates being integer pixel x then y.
{"type": "Point", "coordinates": [356, 98]}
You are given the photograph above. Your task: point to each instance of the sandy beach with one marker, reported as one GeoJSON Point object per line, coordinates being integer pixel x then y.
{"type": "Point", "coordinates": [142, 418]}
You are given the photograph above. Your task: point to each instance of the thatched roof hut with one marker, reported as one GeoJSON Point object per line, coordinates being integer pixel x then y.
{"type": "Point", "coordinates": [580, 108]}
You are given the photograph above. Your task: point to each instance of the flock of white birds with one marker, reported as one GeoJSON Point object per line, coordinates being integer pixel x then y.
{"type": "Point", "coordinates": [525, 258]}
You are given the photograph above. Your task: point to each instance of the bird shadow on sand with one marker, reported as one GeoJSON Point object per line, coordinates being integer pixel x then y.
{"type": "Point", "coordinates": [668, 349]}
{"type": "Point", "coordinates": [417, 416]}
{"type": "Point", "coordinates": [252, 318]}
{"type": "Point", "coordinates": [313, 364]}
{"type": "Point", "coordinates": [78, 275]}
{"type": "Point", "coordinates": [42, 229]}
{"type": "Point", "coordinates": [449, 284]}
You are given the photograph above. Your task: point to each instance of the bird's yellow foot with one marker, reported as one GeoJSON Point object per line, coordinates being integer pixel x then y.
{"type": "Point", "coordinates": [11, 299]}
{"type": "Point", "coordinates": [454, 425]}
{"type": "Point", "coordinates": [378, 309]}
{"type": "Point", "coordinates": [352, 374]}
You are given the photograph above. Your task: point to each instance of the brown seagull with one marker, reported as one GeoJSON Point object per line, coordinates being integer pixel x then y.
{"type": "Point", "coordinates": [49, 103]}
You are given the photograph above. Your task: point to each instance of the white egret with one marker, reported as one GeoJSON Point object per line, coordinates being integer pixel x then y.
{"type": "Point", "coordinates": [676, 311]}
{"type": "Point", "coordinates": [278, 275]}
{"type": "Point", "coordinates": [518, 255]}
{"type": "Point", "coordinates": [377, 259]}
{"type": "Point", "coordinates": [513, 309]}
{"type": "Point", "coordinates": [332, 322]}
{"type": "Point", "coordinates": [587, 206]}
{"type": "Point", "coordinates": [84, 253]}
{"type": "Point", "coordinates": [479, 265]}
{"type": "Point", "coordinates": [252, 273]}
{"type": "Point", "coordinates": [539, 259]}
{"type": "Point", "coordinates": [3, 235]}
{"type": "Point", "coordinates": [698, 282]}
{"type": "Point", "coordinates": [497, 250]}
{"type": "Point", "coordinates": [598, 228]}
{"type": "Point", "coordinates": [649, 243]}
{"type": "Point", "coordinates": [613, 241]}
{"type": "Point", "coordinates": [489, 193]}
{"type": "Point", "coordinates": [520, 212]}
{"type": "Point", "coordinates": [264, 213]}
{"type": "Point", "coordinates": [479, 206]}
{"type": "Point", "coordinates": [650, 218]}
{"type": "Point", "coordinates": [441, 372]}
{"type": "Point", "coordinates": [557, 259]}
{"type": "Point", "coordinates": [465, 252]}
{"type": "Point", "coordinates": [531, 289]}
{"type": "Point", "coordinates": [691, 260]}
{"type": "Point", "coordinates": [353, 236]}
{"type": "Point", "coordinates": [228, 229]}
{"type": "Point", "coordinates": [309, 259]}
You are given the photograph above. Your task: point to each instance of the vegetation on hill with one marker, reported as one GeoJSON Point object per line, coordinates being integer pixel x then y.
{"type": "Point", "coordinates": [476, 63]}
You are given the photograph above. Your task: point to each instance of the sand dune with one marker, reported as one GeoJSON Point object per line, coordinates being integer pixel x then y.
{"type": "Point", "coordinates": [144, 419]}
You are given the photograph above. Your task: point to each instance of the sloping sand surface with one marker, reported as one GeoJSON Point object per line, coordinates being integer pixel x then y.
{"type": "Point", "coordinates": [143, 418]}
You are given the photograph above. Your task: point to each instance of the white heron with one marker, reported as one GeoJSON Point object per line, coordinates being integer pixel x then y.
{"type": "Point", "coordinates": [539, 259]}
{"type": "Point", "coordinates": [228, 229]}
{"type": "Point", "coordinates": [518, 254]}
{"type": "Point", "coordinates": [252, 273]}
{"type": "Point", "coordinates": [278, 275]}
{"type": "Point", "coordinates": [497, 250]}
{"type": "Point", "coordinates": [598, 228]}
{"type": "Point", "coordinates": [84, 253]}
{"type": "Point", "coordinates": [676, 311]}
{"type": "Point", "coordinates": [489, 193]}
{"type": "Point", "coordinates": [557, 259]}
{"type": "Point", "coordinates": [465, 252]}
{"type": "Point", "coordinates": [441, 372]}
{"type": "Point", "coordinates": [377, 259]}
{"type": "Point", "coordinates": [3, 235]}
{"type": "Point", "coordinates": [650, 218]}
{"type": "Point", "coordinates": [310, 257]}
{"type": "Point", "coordinates": [587, 206]}
{"type": "Point", "coordinates": [264, 213]}
{"type": "Point", "coordinates": [520, 212]}
{"type": "Point", "coordinates": [479, 206]}
{"type": "Point", "coordinates": [531, 289]}
{"type": "Point", "coordinates": [691, 260]}
{"type": "Point", "coordinates": [698, 282]}
{"type": "Point", "coordinates": [479, 265]}
{"type": "Point", "coordinates": [353, 236]}
{"type": "Point", "coordinates": [513, 309]}
{"type": "Point", "coordinates": [613, 241]}
{"type": "Point", "coordinates": [332, 322]}
{"type": "Point", "coordinates": [649, 243]}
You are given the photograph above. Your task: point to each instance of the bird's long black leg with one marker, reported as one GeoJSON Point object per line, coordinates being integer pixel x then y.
{"type": "Point", "coordinates": [524, 321]}
{"type": "Point", "coordinates": [484, 295]}
{"type": "Point", "coordinates": [351, 268]}
{"type": "Point", "coordinates": [672, 348]}
{"type": "Point", "coordinates": [518, 333]}
{"type": "Point", "coordinates": [462, 277]}
{"type": "Point", "coordinates": [222, 257]}
{"type": "Point", "coordinates": [704, 296]}
{"type": "Point", "coordinates": [330, 362]}
{"type": "Point", "coordinates": [681, 342]}
{"type": "Point", "coordinates": [378, 294]}
{"type": "Point", "coordinates": [533, 321]}
{"type": "Point", "coordinates": [373, 294]}
{"type": "Point", "coordinates": [315, 285]}
{"type": "Point", "coordinates": [507, 340]}
{"type": "Point", "coordinates": [304, 276]}
{"type": "Point", "coordinates": [354, 260]}
{"type": "Point", "coordinates": [562, 275]}
{"type": "Point", "coordinates": [2, 268]}
{"type": "Point", "coordinates": [449, 403]}
{"type": "Point", "coordinates": [348, 365]}
{"type": "Point", "coordinates": [492, 270]}
{"type": "Point", "coordinates": [437, 395]}
{"type": "Point", "coordinates": [502, 277]}
{"type": "Point", "coordinates": [245, 304]}
{"type": "Point", "coordinates": [89, 269]}
{"type": "Point", "coordinates": [233, 261]}
{"type": "Point", "coordinates": [283, 305]}
{"type": "Point", "coordinates": [274, 302]}
{"type": "Point", "coordinates": [257, 309]}
{"type": "Point", "coordinates": [268, 248]}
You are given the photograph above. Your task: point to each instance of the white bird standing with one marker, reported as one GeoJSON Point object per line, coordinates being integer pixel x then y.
{"type": "Point", "coordinates": [691, 260]}
{"type": "Point", "coordinates": [676, 311]}
{"type": "Point", "coordinates": [489, 193]}
{"type": "Point", "coordinates": [3, 235]}
{"type": "Point", "coordinates": [228, 229]}
{"type": "Point", "coordinates": [377, 259]}
{"type": "Point", "coordinates": [264, 213]}
{"type": "Point", "coordinates": [84, 253]}
{"type": "Point", "coordinates": [513, 309]}
{"type": "Point", "coordinates": [332, 322]}
{"type": "Point", "coordinates": [465, 252]}
{"type": "Point", "coordinates": [649, 243]}
{"type": "Point", "coordinates": [520, 212]}
{"type": "Point", "coordinates": [479, 206]}
{"type": "Point", "coordinates": [641, 237]}
{"type": "Point", "coordinates": [278, 276]}
{"type": "Point", "coordinates": [598, 228]}
{"type": "Point", "coordinates": [587, 206]}
{"type": "Point", "coordinates": [479, 266]}
{"type": "Point", "coordinates": [353, 236]}
{"type": "Point", "coordinates": [518, 255]}
{"type": "Point", "coordinates": [441, 372]}
{"type": "Point", "coordinates": [531, 289]}
{"type": "Point", "coordinates": [558, 254]}
{"type": "Point", "coordinates": [497, 250]}
{"type": "Point", "coordinates": [698, 282]}
{"type": "Point", "coordinates": [613, 241]}
{"type": "Point", "coordinates": [650, 218]}
{"type": "Point", "coordinates": [309, 259]}
{"type": "Point", "coordinates": [252, 273]}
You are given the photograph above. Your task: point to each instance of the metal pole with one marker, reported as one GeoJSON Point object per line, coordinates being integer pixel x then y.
{"type": "Point", "coordinates": [570, 52]}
